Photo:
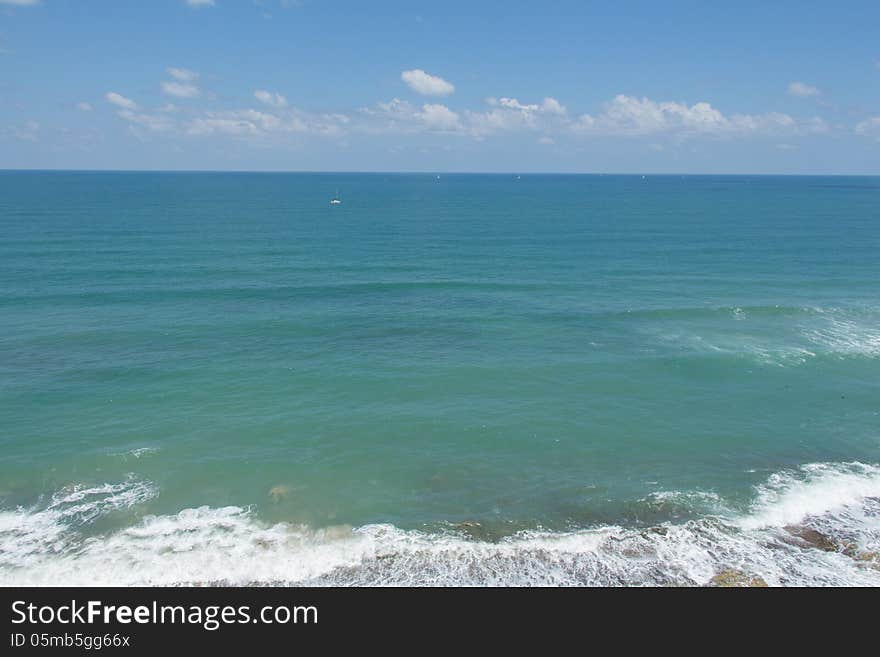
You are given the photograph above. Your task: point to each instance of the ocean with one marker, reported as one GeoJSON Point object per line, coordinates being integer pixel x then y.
{"type": "Point", "coordinates": [221, 378]}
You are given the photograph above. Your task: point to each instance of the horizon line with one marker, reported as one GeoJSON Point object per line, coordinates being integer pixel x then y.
{"type": "Point", "coordinates": [434, 172]}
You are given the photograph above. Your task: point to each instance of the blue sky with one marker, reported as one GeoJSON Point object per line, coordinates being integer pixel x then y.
{"type": "Point", "coordinates": [746, 87]}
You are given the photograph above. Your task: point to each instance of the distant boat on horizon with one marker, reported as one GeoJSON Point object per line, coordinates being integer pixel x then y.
{"type": "Point", "coordinates": [336, 200]}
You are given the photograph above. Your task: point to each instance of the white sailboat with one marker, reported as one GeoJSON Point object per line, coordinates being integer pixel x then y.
{"type": "Point", "coordinates": [336, 200]}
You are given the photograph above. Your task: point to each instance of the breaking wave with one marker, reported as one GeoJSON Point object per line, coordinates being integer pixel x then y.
{"type": "Point", "coordinates": [818, 525]}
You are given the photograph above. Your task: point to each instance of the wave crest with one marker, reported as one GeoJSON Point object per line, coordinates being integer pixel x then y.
{"type": "Point", "coordinates": [230, 545]}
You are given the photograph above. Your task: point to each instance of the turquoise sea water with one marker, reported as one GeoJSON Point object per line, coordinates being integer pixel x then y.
{"type": "Point", "coordinates": [480, 379]}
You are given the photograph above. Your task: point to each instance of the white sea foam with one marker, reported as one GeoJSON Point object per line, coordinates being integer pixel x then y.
{"type": "Point", "coordinates": [843, 335]}
{"type": "Point", "coordinates": [700, 501]}
{"type": "Point", "coordinates": [27, 536]}
{"type": "Point", "coordinates": [230, 545]}
{"type": "Point", "coordinates": [818, 489]}
{"type": "Point", "coordinates": [782, 340]}
{"type": "Point", "coordinates": [137, 453]}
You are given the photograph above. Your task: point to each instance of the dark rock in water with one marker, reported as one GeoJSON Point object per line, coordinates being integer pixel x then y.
{"type": "Point", "coordinates": [472, 529]}
{"type": "Point", "coordinates": [637, 551]}
{"type": "Point", "coordinates": [812, 538]}
{"type": "Point", "coordinates": [279, 493]}
{"type": "Point", "coordinates": [869, 559]}
{"type": "Point", "coordinates": [850, 549]}
{"type": "Point", "coordinates": [662, 531]}
{"type": "Point", "coordinates": [484, 532]}
{"type": "Point", "coordinates": [736, 578]}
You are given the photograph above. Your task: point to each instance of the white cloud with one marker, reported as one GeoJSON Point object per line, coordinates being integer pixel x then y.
{"type": "Point", "coordinates": [272, 100]}
{"type": "Point", "coordinates": [626, 115]}
{"type": "Point", "coordinates": [29, 131]}
{"type": "Point", "coordinates": [20, 3]}
{"type": "Point", "coordinates": [547, 121]}
{"type": "Point", "coordinates": [552, 106]}
{"type": "Point", "coordinates": [152, 122]}
{"type": "Point", "coordinates": [394, 108]}
{"type": "Point", "coordinates": [183, 85]}
{"type": "Point", "coordinates": [629, 116]}
{"type": "Point", "coordinates": [815, 125]}
{"type": "Point", "coordinates": [392, 116]}
{"type": "Point", "coordinates": [512, 103]}
{"type": "Point", "coordinates": [869, 127]}
{"type": "Point", "coordinates": [84, 107]}
{"type": "Point", "coordinates": [623, 116]}
{"type": "Point", "coordinates": [549, 105]}
{"type": "Point", "coordinates": [200, 3]}
{"type": "Point", "coordinates": [180, 89]}
{"type": "Point", "coordinates": [182, 74]}
{"type": "Point", "coordinates": [120, 100]}
{"type": "Point", "coordinates": [426, 84]}
{"type": "Point", "coordinates": [245, 122]}
{"type": "Point", "coordinates": [223, 126]}
{"type": "Point", "coordinates": [137, 120]}
{"type": "Point", "coordinates": [329, 125]}
{"type": "Point", "coordinates": [400, 116]}
{"type": "Point", "coordinates": [802, 90]}
{"type": "Point", "coordinates": [439, 117]}
{"type": "Point", "coordinates": [509, 114]}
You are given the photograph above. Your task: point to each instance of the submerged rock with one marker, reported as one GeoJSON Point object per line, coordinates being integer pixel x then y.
{"type": "Point", "coordinates": [477, 531]}
{"type": "Point", "coordinates": [337, 532]}
{"type": "Point", "coordinates": [638, 551]}
{"type": "Point", "coordinates": [279, 493]}
{"type": "Point", "coordinates": [659, 530]}
{"type": "Point", "coordinates": [812, 538]}
{"type": "Point", "coordinates": [736, 578]}
{"type": "Point", "coordinates": [849, 548]}
{"type": "Point", "coordinates": [470, 528]}
{"type": "Point", "coordinates": [869, 559]}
